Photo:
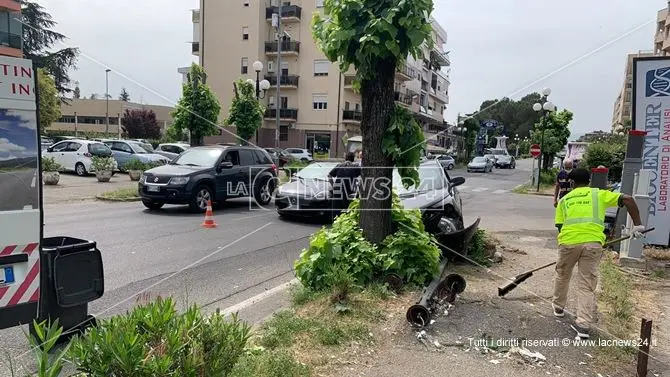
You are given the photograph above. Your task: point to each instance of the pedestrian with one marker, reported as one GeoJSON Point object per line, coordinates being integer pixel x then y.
{"type": "Point", "coordinates": [580, 219]}
{"type": "Point", "coordinates": [562, 185]}
{"type": "Point", "coordinates": [343, 178]}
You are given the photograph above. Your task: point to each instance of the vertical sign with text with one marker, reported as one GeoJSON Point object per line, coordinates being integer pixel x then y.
{"type": "Point", "coordinates": [651, 99]}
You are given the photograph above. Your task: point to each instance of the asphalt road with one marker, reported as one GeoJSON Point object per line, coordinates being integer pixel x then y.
{"type": "Point", "coordinates": [19, 189]}
{"type": "Point", "coordinates": [169, 253]}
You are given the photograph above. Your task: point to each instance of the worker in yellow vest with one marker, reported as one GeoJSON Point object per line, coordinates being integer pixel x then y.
{"type": "Point", "coordinates": [580, 218]}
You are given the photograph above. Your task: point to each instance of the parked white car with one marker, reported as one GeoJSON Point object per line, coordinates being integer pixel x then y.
{"type": "Point", "coordinates": [171, 150]}
{"type": "Point", "coordinates": [77, 155]}
{"type": "Point", "coordinates": [300, 154]}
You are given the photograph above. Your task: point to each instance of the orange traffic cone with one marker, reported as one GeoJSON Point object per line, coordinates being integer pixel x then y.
{"type": "Point", "coordinates": [209, 217]}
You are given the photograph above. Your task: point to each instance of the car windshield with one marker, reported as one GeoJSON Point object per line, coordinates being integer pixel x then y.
{"type": "Point", "coordinates": [206, 157]}
{"type": "Point", "coordinates": [317, 171]}
{"type": "Point", "coordinates": [147, 147]}
{"type": "Point", "coordinates": [431, 177]}
{"type": "Point", "coordinates": [137, 148]}
{"type": "Point", "coordinates": [479, 159]}
{"type": "Point", "coordinates": [99, 149]}
{"type": "Point", "coordinates": [498, 152]}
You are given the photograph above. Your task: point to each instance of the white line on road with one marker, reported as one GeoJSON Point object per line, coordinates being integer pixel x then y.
{"type": "Point", "coordinates": [500, 191]}
{"type": "Point", "coordinates": [34, 179]}
{"type": "Point", "coordinates": [258, 298]}
{"type": "Point", "coordinates": [480, 189]}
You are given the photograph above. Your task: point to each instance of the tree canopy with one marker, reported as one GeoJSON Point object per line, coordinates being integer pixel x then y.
{"type": "Point", "coordinates": [556, 134]}
{"type": "Point", "coordinates": [76, 93]}
{"type": "Point", "coordinates": [124, 96]}
{"type": "Point", "coordinates": [140, 124]}
{"type": "Point", "coordinates": [48, 98]}
{"type": "Point", "coordinates": [246, 111]}
{"type": "Point", "coordinates": [198, 109]}
{"type": "Point", "coordinates": [39, 42]}
{"type": "Point", "coordinates": [375, 37]}
{"type": "Point", "coordinates": [516, 117]}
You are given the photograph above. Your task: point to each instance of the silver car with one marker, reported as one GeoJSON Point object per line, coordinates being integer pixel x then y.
{"type": "Point", "coordinates": [171, 150]}
{"type": "Point", "coordinates": [482, 164]}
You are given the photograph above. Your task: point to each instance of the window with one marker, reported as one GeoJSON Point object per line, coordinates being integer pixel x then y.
{"type": "Point", "coordinates": [271, 102]}
{"type": "Point", "coordinates": [319, 101]}
{"type": "Point", "coordinates": [283, 102]}
{"type": "Point", "coordinates": [245, 33]}
{"type": "Point", "coordinates": [247, 157]}
{"type": "Point", "coordinates": [319, 3]}
{"type": "Point", "coordinates": [283, 133]}
{"type": "Point", "coordinates": [233, 157]}
{"type": "Point", "coordinates": [262, 158]}
{"type": "Point", "coordinates": [72, 147]}
{"type": "Point", "coordinates": [346, 105]}
{"type": "Point", "coordinates": [321, 67]}
{"type": "Point", "coordinates": [245, 66]}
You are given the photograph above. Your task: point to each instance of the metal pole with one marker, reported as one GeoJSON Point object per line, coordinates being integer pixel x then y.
{"type": "Point", "coordinates": [279, 46]}
{"type": "Point", "coordinates": [118, 124]}
{"type": "Point", "coordinates": [643, 349]}
{"type": "Point", "coordinates": [75, 124]}
{"type": "Point", "coordinates": [258, 98]}
{"type": "Point", "coordinates": [337, 126]}
{"type": "Point", "coordinates": [541, 156]}
{"type": "Point", "coordinates": [107, 101]}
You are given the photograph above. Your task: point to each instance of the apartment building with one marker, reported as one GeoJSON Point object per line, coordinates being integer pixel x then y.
{"type": "Point", "coordinates": [317, 105]}
{"type": "Point", "coordinates": [11, 29]}
{"type": "Point", "coordinates": [662, 36]}
{"type": "Point", "coordinates": [89, 115]}
{"type": "Point", "coordinates": [195, 42]}
{"type": "Point", "coordinates": [623, 105]}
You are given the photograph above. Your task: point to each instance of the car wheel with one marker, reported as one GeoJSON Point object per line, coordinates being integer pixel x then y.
{"type": "Point", "coordinates": [263, 192]}
{"type": "Point", "coordinates": [200, 197]}
{"type": "Point", "coordinates": [80, 169]}
{"type": "Point", "coordinates": [152, 205]}
{"type": "Point", "coordinates": [304, 159]}
{"type": "Point", "coordinates": [450, 166]}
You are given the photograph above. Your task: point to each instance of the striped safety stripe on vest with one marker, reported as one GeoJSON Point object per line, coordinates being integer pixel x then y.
{"type": "Point", "coordinates": [595, 215]}
{"type": "Point", "coordinates": [25, 291]}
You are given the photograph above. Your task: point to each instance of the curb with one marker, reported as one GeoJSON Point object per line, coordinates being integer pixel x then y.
{"type": "Point", "coordinates": [99, 197]}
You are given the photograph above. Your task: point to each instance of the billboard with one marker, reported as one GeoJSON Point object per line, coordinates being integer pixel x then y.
{"type": "Point", "coordinates": [651, 113]}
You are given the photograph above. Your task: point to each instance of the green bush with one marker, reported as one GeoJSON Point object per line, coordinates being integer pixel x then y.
{"type": "Point", "coordinates": [50, 164]}
{"type": "Point", "coordinates": [409, 252]}
{"type": "Point", "coordinates": [155, 340]}
{"type": "Point", "coordinates": [548, 177]}
{"type": "Point", "coordinates": [103, 163]}
{"type": "Point", "coordinates": [135, 164]}
{"type": "Point", "coordinates": [609, 155]}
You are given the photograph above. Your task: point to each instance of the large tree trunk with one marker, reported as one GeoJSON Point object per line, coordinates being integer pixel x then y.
{"type": "Point", "coordinates": [378, 105]}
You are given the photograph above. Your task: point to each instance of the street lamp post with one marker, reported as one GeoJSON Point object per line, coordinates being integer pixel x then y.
{"type": "Point", "coordinates": [261, 85]}
{"type": "Point", "coordinates": [516, 141]}
{"type": "Point", "coordinates": [546, 108]}
{"type": "Point", "coordinates": [107, 100]}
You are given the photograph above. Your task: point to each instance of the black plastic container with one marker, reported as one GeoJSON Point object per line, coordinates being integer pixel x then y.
{"type": "Point", "coordinates": [73, 277]}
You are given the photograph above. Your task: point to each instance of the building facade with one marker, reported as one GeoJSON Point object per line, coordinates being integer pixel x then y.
{"type": "Point", "coordinates": [662, 36]}
{"type": "Point", "coordinates": [11, 29]}
{"type": "Point", "coordinates": [623, 106]}
{"type": "Point", "coordinates": [317, 104]}
{"type": "Point", "coordinates": [88, 115]}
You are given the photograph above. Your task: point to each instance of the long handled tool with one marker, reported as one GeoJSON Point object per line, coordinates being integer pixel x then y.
{"type": "Point", "coordinates": [525, 275]}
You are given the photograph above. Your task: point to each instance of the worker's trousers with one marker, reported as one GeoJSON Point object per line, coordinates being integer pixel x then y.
{"type": "Point", "coordinates": [587, 258]}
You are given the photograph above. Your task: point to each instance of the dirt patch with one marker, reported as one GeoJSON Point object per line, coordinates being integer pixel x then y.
{"type": "Point", "coordinates": [74, 188]}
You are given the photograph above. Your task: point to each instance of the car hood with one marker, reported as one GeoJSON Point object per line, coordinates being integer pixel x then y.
{"type": "Point", "coordinates": [424, 199]}
{"type": "Point", "coordinates": [150, 157]}
{"type": "Point", "coordinates": [304, 187]}
{"type": "Point", "coordinates": [175, 170]}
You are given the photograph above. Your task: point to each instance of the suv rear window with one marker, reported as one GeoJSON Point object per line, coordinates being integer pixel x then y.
{"type": "Point", "coordinates": [262, 157]}
{"type": "Point", "coordinates": [99, 149]}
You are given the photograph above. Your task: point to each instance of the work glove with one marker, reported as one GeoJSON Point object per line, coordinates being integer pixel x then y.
{"type": "Point", "coordinates": [637, 230]}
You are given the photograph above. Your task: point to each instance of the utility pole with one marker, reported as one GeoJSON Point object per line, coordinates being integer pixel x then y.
{"type": "Point", "coordinates": [276, 21]}
{"type": "Point", "coordinates": [107, 100]}
{"type": "Point", "coordinates": [337, 127]}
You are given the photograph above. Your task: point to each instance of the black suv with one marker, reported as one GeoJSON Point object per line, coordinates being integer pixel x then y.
{"type": "Point", "coordinates": [207, 173]}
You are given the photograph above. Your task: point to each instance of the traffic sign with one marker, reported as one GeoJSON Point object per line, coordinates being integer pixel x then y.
{"type": "Point", "coordinates": [535, 150]}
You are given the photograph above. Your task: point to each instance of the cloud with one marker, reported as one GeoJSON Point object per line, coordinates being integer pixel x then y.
{"type": "Point", "coordinates": [28, 118]}
{"type": "Point", "coordinates": [8, 147]}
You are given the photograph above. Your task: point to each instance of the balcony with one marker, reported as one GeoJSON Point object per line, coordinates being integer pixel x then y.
{"type": "Point", "coordinates": [349, 82]}
{"type": "Point", "coordinates": [284, 114]}
{"type": "Point", "coordinates": [287, 48]}
{"type": "Point", "coordinates": [406, 73]}
{"type": "Point", "coordinates": [352, 116]}
{"type": "Point", "coordinates": [286, 81]}
{"type": "Point", "coordinates": [439, 58]}
{"type": "Point", "coordinates": [289, 13]}
{"type": "Point", "coordinates": [195, 48]}
{"type": "Point", "coordinates": [659, 37]}
{"type": "Point", "coordinates": [404, 98]}
{"type": "Point", "coordinates": [10, 5]}
{"type": "Point", "coordinates": [10, 40]}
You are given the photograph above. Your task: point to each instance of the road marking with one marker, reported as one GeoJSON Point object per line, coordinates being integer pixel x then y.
{"type": "Point", "coordinates": [500, 191]}
{"type": "Point", "coordinates": [480, 189]}
{"type": "Point", "coordinates": [34, 179]}
{"type": "Point", "coordinates": [258, 298]}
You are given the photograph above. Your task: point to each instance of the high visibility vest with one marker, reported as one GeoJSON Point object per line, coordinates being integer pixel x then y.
{"type": "Point", "coordinates": [583, 217]}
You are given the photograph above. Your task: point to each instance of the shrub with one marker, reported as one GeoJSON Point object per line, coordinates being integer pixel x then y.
{"type": "Point", "coordinates": [135, 164]}
{"type": "Point", "coordinates": [610, 155]}
{"type": "Point", "coordinates": [409, 252]}
{"type": "Point", "coordinates": [155, 340]}
{"type": "Point", "coordinates": [50, 164]}
{"type": "Point", "coordinates": [103, 163]}
{"type": "Point", "coordinates": [548, 177]}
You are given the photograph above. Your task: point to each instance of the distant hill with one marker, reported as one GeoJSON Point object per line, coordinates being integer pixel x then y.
{"type": "Point", "coordinates": [15, 163]}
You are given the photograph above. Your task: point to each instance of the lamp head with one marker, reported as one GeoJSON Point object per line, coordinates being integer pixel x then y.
{"type": "Point", "coordinates": [251, 82]}
{"type": "Point", "coordinates": [265, 85]}
{"type": "Point", "coordinates": [546, 92]}
{"type": "Point", "coordinates": [257, 66]}
{"type": "Point", "coordinates": [548, 106]}
{"type": "Point", "coordinates": [537, 107]}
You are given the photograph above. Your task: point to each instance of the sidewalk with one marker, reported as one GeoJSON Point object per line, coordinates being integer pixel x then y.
{"type": "Point", "coordinates": [72, 188]}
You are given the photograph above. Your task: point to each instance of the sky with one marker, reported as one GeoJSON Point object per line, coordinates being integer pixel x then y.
{"type": "Point", "coordinates": [577, 48]}
{"type": "Point", "coordinates": [17, 142]}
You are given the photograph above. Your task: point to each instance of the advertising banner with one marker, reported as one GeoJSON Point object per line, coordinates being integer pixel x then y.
{"type": "Point", "coordinates": [651, 113]}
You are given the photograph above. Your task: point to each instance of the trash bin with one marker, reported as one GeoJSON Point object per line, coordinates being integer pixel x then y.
{"type": "Point", "coordinates": [73, 277]}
